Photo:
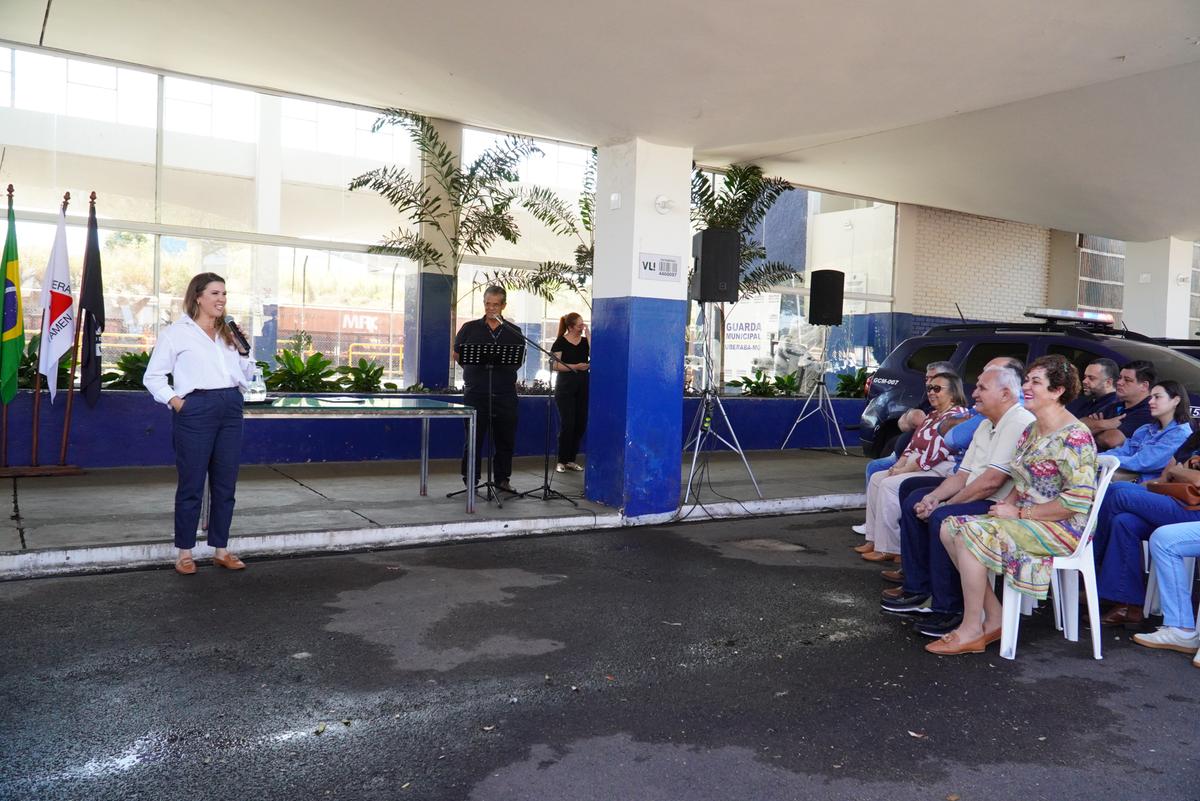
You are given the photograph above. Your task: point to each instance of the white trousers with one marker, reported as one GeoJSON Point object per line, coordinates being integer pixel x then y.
{"type": "Point", "coordinates": [883, 505]}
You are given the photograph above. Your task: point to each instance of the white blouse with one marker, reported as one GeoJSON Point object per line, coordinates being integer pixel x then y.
{"type": "Point", "coordinates": [194, 362]}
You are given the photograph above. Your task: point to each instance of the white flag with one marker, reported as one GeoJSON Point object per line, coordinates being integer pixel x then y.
{"type": "Point", "coordinates": [58, 318]}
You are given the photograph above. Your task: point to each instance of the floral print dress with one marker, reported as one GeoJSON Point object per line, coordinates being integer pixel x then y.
{"type": "Point", "coordinates": [1058, 466]}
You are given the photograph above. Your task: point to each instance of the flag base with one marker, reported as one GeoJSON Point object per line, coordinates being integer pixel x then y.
{"type": "Point", "coordinates": [49, 470]}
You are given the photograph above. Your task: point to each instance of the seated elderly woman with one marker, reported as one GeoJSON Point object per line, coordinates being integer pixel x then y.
{"type": "Point", "coordinates": [1144, 455]}
{"type": "Point", "coordinates": [926, 453]}
{"type": "Point", "coordinates": [1129, 515]}
{"type": "Point", "coordinates": [1170, 546]}
{"type": "Point", "coordinates": [1054, 481]}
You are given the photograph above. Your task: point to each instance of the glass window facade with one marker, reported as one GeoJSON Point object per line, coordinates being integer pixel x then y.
{"type": "Point", "coordinates": [244, 179]}
{"type": "Point", "coordinates": [195, 175]}
{"type": "Point", "coordinates": [811, 231]}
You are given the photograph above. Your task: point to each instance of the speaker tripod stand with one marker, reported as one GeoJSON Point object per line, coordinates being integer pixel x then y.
{"type": "Point", "coordinates": [702, 431]}
{"type": "Point", "coordinates": [820, 401]}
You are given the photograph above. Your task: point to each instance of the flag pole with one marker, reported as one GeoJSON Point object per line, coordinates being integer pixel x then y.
{"type": "Point", "coordinates": [4, 425]}
{"type": "Point", "coordinates": [37, 401]}
{"type": "Point", "coordinates": [66, 433]}
{"type": "Point", "coordinates": [37, 378]}
{"type": "Point", "coordinates": [33, 469]}
{"type": "Point", "coordinates": [37, 374]}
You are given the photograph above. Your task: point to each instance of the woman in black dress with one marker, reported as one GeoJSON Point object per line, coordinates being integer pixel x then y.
{"type": "Point", "coordinates": [571, 389]}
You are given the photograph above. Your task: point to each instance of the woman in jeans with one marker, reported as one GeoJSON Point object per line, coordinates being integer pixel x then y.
{"type": "Point", "coordinates": [1169, 547]}
{"type": "Point", "coordinates": [208, 373]}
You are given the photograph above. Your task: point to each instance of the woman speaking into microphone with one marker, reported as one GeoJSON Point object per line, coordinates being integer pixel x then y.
{"type": "Point", "coordinates": [208, 359]}
{"type": "Point", "coordinates": [571, 390]}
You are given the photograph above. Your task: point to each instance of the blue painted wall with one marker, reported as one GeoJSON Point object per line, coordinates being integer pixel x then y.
{"type": "Point", "coordinates": [128, 429]}
{"type": "Point", "coordinates": [635, 420]}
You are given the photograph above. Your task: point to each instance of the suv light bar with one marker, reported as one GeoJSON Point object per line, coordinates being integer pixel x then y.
{"type": "Point", "coordinates": [1071, 315]}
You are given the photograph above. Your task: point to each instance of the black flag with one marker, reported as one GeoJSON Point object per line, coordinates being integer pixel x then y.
{"type": "Point", "coordinates": [91, 307]}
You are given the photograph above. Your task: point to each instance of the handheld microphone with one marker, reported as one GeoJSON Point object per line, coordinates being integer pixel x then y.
{"type": "Point", "coordinates": [243, 344]}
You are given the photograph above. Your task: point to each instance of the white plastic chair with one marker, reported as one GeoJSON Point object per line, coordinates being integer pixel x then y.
{"type": "Point", "coordinates": [1153, 605]}
{"type": "Point", "coordinates": [1064, 580]}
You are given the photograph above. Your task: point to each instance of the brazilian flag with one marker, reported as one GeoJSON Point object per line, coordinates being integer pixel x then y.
{"type": "Point", "coordinates": [12, 341]}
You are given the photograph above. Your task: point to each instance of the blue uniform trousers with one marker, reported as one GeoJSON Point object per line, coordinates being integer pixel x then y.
{"type": "Point", "coordinates": [1128, 517]}
{"type": "Point", "coordinates": [928, 569]}
{"type": "Point", "coordinates": [207, 434]}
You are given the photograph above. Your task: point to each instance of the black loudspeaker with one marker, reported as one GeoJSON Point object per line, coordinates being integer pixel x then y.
{"type": "Point", "coordinates": [717, 252]}
{"type": "Point", "coordinates": [825, 297]}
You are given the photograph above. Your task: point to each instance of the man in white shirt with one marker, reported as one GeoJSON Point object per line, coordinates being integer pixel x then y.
{"type": "Point", "coordinates": [931, 583]}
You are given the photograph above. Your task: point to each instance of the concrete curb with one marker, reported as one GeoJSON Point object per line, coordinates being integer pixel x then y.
{"type": "Point", "coordinates": [108, 558]}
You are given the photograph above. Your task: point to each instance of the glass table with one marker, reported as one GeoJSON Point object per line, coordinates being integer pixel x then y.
{"type": "Point", "coordinates": [348, 406]}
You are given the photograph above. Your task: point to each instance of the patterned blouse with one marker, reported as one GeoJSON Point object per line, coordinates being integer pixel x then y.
{"type": "Point", "coordinates": [1058, 466]}
{"type": "Point", "coordinates": [927, 444]}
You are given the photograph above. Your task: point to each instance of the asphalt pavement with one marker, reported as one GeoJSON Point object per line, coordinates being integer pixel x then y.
{"type": "Point", "coordinates": [743, 659]}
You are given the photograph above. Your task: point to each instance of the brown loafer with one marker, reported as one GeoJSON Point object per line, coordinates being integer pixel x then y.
{"type": "Point", "coordinates": [894, 576]}
{"type": "Point", "coordinates": [881, 556]}
{"type": "Point", "coordinates": [1120, 615]}
{"type": "Point", "coordinates": [892, 593]}
{"type": "Point", "coordinates": [229, 562]}
{"type": "Point", "coordinates": [866, 547]}
{"type": "Point", "coordinates": [185, 566]}
{"type": "Point", "coordinates": [951, 645]}
{"type": "Point", "coordinates": [992, 636]}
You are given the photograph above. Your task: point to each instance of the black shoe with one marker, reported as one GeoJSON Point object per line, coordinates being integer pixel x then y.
{"type": "Point", "coordinates": [907, 605]}
{"type": "Point", "coordinates": [939, 624]}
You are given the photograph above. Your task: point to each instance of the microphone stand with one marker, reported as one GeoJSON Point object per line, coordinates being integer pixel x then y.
{"type": "Point", "coordinates": [546, 490]}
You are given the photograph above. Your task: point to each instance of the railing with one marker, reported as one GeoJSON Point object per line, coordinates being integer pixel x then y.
{"type": "Point", "coordinates": [114, 344]}
{"type": "Point", "coordinates": [391, 354]}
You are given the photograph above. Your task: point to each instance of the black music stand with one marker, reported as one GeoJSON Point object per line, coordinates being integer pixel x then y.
{"type": "Point", "coordinates": [490, 355]}
{"type": "Point", "coordinates": [547, 492]}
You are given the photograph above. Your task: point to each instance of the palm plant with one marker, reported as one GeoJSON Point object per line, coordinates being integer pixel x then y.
{"type": "Point", "coordinates": [742, 202]}
{"type": "Point", "coordinates": [744, 199]}
{"type": "Point", "coordinates": [551, 277]}
{"type": "Point", "coordinates": [454, 211]}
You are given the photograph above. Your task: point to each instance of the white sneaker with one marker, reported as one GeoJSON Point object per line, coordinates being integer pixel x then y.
{"type": "Point", "coordinates": [1170, 639]}
{"type": "Point", "coordinates": [560, 468]}
{"type": "Point", "coordinates": [861, 528]}
{"type": "Point", "coordinates": [576, 467]}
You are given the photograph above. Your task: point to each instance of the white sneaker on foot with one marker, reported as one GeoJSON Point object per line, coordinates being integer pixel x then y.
{"type": "Point", "coordinates": [572, 466]}
{"type": "Point", "coordinates": [1171, 639]}
{"type": "Point", "coordinates": [560, 468]}
{"type": "Point", "coordinates": [861, 528]}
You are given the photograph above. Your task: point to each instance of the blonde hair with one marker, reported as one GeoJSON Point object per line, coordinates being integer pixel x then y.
{"type": "Point", "coordinates": [567, 320]}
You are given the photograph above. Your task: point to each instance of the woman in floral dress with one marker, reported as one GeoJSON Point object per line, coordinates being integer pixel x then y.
{"type": "Point", "coordinates": [1054, 480]}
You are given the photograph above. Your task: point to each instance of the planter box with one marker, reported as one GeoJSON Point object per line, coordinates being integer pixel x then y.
{"type": "Point", "coordinates": [762, 423]}
{"type": "Point", "coordinates": [129, 429]}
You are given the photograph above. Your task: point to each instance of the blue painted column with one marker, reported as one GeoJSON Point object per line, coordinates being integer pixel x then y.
{"type": "Point", "coordinates": [639, 311]}
{"type": "Point", "coordinates": [429, 294]}
{"type": "Point", "coordinates": [428, 323]}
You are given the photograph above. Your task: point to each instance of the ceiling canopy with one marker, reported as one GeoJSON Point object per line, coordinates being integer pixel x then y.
{"type": "Point", "coordinates": [1077, 114]}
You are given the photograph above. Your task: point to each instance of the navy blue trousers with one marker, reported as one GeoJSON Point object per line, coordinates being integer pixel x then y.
{"type": "Point", "coordinates": [207, 434]}
{"type": "Point", "coordinates": [1128, 516]}
{"type": "Point", "coordinates": [928, 569]}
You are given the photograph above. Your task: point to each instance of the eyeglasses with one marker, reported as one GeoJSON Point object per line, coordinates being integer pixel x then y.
{"type": "Point", "coordinates": [934, 388]}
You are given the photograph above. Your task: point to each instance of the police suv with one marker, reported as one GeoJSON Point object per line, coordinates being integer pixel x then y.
{"type": "Point", "coordinates": [1081, 336]}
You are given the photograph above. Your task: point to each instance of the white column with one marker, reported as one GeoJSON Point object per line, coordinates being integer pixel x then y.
{"type": "Point", "coordinates": [1158, 278]}
{"type": "Point", "coordinates": [268, 191]}
{"type": "Point", "coordinates": [639, 313]}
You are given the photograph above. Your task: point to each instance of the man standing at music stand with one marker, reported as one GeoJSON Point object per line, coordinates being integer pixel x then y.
{"type": "Point", "coordinates": [490, 329]}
